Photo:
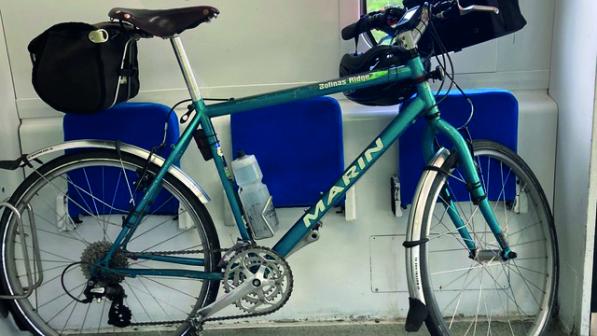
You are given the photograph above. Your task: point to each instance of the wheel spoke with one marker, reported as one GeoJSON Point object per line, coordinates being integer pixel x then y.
{"type": "Point", "coordinates": [140, 303]}
{"type": "Point", "coordinates": [478, 298]}
{"type": "Point", "coordinates": [159, 298]}
{"type": "Point", "coordinates": [164, 301]}
{"type": "Point", "coordinates": [156, 226]}
{"type": "Point", "coordinates": [74, 303]}
{"type": "Point", "coordinates": [154, 298]}
{"type": "Point", "coordinates": [84, 319]}
{"type": "Point", "coordinates": [169, 287]}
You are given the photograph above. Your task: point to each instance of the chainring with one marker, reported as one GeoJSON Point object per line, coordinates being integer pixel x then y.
{"type": "Point", "coordinates": [248, 262]}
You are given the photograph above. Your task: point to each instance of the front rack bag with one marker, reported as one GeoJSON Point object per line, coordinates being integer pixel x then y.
{"type": "Point", "coordinates": [461, 32]}
{"type": "Point", "coordinates": [83, 68]}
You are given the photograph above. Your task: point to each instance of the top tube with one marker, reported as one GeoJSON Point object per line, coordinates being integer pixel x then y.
{"type": "Point", "coordinates": [368, 79]}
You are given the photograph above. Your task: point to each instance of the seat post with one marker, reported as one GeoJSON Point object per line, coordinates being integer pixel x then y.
{"type": "Point", "coordinates": [185, 67]}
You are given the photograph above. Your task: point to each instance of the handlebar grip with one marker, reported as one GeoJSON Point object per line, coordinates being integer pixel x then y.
{"type": "Point", "coordinates": [478, 8]}
{"type": "Point", "coordinates": [349, 32]}
{"type": "Point", "coordinates": [365, 24]}
{"type": "Point", "coordinates": [445, 9]}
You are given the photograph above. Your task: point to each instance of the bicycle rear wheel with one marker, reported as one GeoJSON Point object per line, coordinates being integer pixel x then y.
{"type": "Point", "coordinates": [78, 204]}
{"type": "Point", "coordinates": [482, 294]}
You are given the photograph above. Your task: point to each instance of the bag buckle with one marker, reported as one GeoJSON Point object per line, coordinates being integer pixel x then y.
{"type": "Point", "coordinates": [98, 36]}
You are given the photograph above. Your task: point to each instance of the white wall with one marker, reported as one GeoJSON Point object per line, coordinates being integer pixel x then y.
{"type": "Point", "coordinates": [9, 133]}
{"type": "Point", "coordinates": [573, 87]}
{"type": "Point", "coordinates": [9, 121]}
{"type": "Point", "coordinates": [260, 45]}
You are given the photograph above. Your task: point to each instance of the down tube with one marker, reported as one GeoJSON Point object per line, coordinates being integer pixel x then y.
{"type": "Point", "coordinates": [351, 175]}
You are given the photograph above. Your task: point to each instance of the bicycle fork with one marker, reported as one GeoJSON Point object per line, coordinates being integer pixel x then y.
{"type": "Point", "coordinates": [419, 213]}
{"type": "Point", "coordinates": [474, 186]}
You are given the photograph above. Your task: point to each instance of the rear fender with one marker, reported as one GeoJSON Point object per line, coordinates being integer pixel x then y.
{"type": "Point", "coordinates": [141, 153]}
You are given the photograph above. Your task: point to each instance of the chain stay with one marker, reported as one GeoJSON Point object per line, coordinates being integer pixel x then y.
{"type": "Point", "coordinates": [166, 253]}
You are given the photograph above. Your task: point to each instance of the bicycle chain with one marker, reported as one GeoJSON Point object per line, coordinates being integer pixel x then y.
{"type": "Point", "coordinates": [165, 253]}
{"type": "Point", "coordinates": [162, 253]}
{"type": "Point", "coordinates": [214, 319]}
{"type": "Point", "coordinates": [211, 319]}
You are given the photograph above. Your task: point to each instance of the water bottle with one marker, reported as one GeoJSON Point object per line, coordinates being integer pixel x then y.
{"type": "Point", "coordinates": [255, 197]}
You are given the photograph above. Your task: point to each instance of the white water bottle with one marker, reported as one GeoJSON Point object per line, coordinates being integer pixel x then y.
{"type": "Point", "coordinates": [255, 197]}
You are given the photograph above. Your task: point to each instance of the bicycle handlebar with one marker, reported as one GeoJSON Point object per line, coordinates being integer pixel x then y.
{"type": "Point", "coordinates": [477, 8]}
{"type": "Point", "coordinates": [385, 20]}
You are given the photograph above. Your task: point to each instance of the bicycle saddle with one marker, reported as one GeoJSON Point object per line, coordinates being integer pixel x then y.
{"type": "Point", "coordinates": [167, 22]}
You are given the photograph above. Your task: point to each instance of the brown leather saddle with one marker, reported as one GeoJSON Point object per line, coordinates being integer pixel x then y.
{"type": "Point", "coordinates": [167, 22]}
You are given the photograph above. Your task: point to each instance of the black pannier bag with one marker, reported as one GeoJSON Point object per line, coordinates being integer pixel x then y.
{"type": "Point", "coordinates": [459, 32]}
{"type": "Point", "coordinates": [83, 68]}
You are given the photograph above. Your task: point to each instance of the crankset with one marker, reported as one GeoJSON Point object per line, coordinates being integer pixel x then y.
{"type": "Point", "coordinates": [256, 280]}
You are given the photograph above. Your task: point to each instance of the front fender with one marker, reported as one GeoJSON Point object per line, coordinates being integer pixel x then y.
{"type": "Point", "coordinates": [418, 214]}
{"type": "Point", "coordinates": [139, 152]}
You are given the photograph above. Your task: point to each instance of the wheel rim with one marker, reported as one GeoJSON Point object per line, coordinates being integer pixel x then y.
{"type": "Point", "coordinates": [480, 297]}
{"type": "Point", "coordinates": [49, 310]}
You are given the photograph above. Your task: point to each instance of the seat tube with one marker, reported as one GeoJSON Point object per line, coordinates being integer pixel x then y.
{"type": "Point", "coordinates": [203, 119]}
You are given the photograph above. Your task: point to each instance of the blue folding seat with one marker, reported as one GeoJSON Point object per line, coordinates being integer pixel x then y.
{"type": "Point", "coordinates": [495, 119]}
{"type": "Point", "coordinates": [298, 145]}
{"type": "Point", "coordinates": [139, 124]}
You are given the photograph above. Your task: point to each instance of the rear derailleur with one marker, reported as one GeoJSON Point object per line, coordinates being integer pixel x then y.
{"type": "Point", "coordinates": [119, 314]}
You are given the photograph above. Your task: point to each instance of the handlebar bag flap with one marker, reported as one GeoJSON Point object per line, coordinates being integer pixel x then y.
{"type": "Point", "coordinates": [460, 32]}
{"type": "Point", "coordinates": [83, 68]}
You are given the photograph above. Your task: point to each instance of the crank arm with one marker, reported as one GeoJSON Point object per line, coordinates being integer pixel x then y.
{"type": "Point", "coordinates": [244, 289]}
{"type": "Point", "coordinates": [252, 283]}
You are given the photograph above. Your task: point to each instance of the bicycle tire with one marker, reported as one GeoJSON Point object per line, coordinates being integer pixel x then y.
{"type": "Point", "coordinates": [25, 317]}
{"type": "Point", "coordinates": [436, 321]}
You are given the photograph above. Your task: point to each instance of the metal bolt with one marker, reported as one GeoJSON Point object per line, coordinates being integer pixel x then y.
{"type": "Point", "coordinates": [256, 282]}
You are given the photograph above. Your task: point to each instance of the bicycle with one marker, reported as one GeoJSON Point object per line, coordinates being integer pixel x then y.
{"type": "Point", "coordinates": [513, 266]}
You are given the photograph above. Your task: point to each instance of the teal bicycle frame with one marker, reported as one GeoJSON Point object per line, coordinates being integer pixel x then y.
{"type": "Point", "coordinates": [423, 105]}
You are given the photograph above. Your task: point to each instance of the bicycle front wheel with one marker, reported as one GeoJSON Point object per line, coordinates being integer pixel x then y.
{"type": "Point", "coordinates": [479, 293]}
{"type": "Point", "coordinates": [78, 202]}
